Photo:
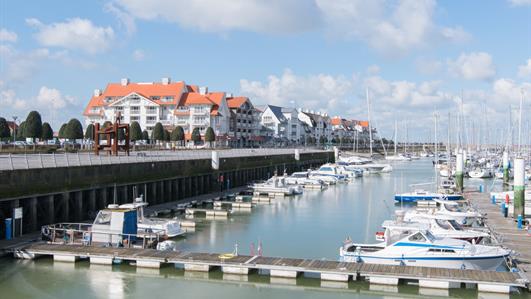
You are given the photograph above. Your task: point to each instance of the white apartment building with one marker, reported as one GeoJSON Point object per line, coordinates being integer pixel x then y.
{"type": "Point", "coordinates": [171, 104]}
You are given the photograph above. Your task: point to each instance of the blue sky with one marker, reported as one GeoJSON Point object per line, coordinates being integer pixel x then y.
{"type": "Point", "coordinates": [415, 56]}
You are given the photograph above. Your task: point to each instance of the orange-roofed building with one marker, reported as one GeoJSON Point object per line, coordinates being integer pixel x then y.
{"type": "Point", "coordinates": [243, 122]}
{"type": "Point", "coordinates": [170, 103]}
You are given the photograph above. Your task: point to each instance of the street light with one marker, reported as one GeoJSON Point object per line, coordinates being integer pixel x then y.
{"type": "Point", "coordinates": [14, 128]}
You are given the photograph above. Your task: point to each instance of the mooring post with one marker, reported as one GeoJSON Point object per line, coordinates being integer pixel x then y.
{"type": "Point", "coordinates": [505, 167]}
{"type": "Point", "coordinates": [459, 172]}
{"type": "Point", "coordinates": [519, 188]}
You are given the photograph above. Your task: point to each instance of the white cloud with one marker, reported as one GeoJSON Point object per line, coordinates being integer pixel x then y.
{"type": "Point", "coordinates": [74, 33]}
{"type": "Point", "coordinates": [9, 99]}
{"type": "Point", "coordinates": [524, 71]}
{"type": "Point", "coordinates": [390, 27]}
{"type": "Point", "coordinates": [473, 66]}
{"type": "Point", "coordinates": [126, 20]}
{"type": "Point", "coordinates": [274, 16]}
{"type": "Point", "coordinates": [52, 98]}
{"type": "Point", "coordinates": [520, 2]}
{"type": "Point", "coordinates": [138, 55]}
{"type": "Point", "coordinates": [7, 36]}
{"type": "Point", "coordinates": [373, 70]}
{"type": "Point", "coordinates": [428, 66]}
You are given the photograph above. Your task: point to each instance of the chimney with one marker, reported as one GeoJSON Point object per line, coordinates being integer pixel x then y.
{"type": "Point", "coordinates": [166, 81]}
{"type": "Point", "coordinates": [228, 95]}
{"type": "Point", "coordinates": [97, 92]}
{"type": "Point", "coordinates": [125, 81]}
{"type": "Point", "coordinates": [203, 90]}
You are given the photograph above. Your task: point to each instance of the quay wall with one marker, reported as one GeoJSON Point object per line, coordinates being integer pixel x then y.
{"type": "Point", "coordinates": [76, 193]}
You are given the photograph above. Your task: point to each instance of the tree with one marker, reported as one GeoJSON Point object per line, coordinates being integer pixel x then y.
{"type": "Point", "coordinates": [106, 124]}
{"type": "Point", "coordinates": [322, 140]}
{"type": "Point", "coordinates": [135, 131]}
{"type": "Point", "coordinates": [5, 133]}
{"type": "Point", "coordinates": [33, 128]}
{"type": "Point", "coordinates": [196, 135]}
{"type": "Point", "coordinates": [47, 132]}
{"type": "Point", "coordinates": [89, 132]}
{"type": "Point", "coordinates": [210, 136]}
{"type": "Point", "coordinates": [145, 135]}
{"type": "Point", "coordinates": [62, 130]}
{"type": "Point", "coordinates": [158, 132]}
{"type": "Point", "coordinates": [20, 131]}
{"type": "Point", "coordinates": [177, 134]}
{"type": "Point", "coordinates": [166, 135]}
{"type": "Point", "coordinates": [73, 129]}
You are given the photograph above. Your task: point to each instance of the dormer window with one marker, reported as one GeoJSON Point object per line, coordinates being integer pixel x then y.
{"type": "Point", "coordinates": [155, 98]}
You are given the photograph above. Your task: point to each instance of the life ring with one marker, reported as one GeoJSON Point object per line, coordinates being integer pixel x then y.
{"type": "Point", "coordinates": [45, 231]}
{"type": "Point", "coordinates": [226, 256]}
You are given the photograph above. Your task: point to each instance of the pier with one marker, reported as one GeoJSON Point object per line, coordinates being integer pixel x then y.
{"type": "Point", "coordinates": [207, 212]}
{"type": "Point", "coordinates": [505, 231]}
{"type": "Point", "coordinates": [290, 268]}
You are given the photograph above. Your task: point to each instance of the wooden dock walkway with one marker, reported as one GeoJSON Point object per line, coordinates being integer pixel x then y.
{"type": "Point", "coordinates": [505, 231]}
{"type": "Point", "coordinates": [488, 281]}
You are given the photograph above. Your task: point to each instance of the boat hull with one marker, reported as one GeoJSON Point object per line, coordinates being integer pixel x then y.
{"type": "Point", "coordinates": [489, 263]}
{"type": "Point", "coordinates": [414, 198]}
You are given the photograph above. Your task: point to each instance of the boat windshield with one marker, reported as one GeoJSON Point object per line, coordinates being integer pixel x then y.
{"type": "Point", "coordinates": [418, 237]}
{"type": "Point", "coordinates": [455, 225]}
{"type": "Point", "coordinates": [443, 223]}
{"type": "Point", "coordinates": [430, 236]}
{"type": "Point", "coordinates": [326, 169]}
{"type": "Point", "coordinates": [104, 217]}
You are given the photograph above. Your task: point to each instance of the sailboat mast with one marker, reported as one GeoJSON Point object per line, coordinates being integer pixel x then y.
{"type": "Point", "coordinates": [395, 138]}
{"type": "Point", "coordinates": [436, 152]}
{"type": "Point", "coordinates": [520, 123]}
{"type": "Point", "coordinates": [369, 120]}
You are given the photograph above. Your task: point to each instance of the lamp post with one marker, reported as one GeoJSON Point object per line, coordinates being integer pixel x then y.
{"type": "Point", "coordinates": [14, 128]}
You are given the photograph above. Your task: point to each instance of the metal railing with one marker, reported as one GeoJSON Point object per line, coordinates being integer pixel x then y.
{"type": "Point", "coordinates": [53, 160]}
{"type": "Point", "coordinates": [82, 234]}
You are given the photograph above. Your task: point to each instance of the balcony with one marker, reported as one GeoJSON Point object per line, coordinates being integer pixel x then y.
{"type": "Point", "coordinates": [151, 111]}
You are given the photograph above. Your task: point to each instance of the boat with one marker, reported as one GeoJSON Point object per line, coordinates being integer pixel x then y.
{"type": "Point", "coordinates": [422, 248]}
{"type": "Point", "coordinates": [463, 215]}
{"type": "Point", "coordinates": [302, 178]}
{"type": "Point", "coordinates": [170, 227]}
{"type": "Point", "coordinates": [276, 185]}
{"type": "Point", "coordinates": [329, 170]}
{"type": "Point", "coordinates": [399, 157]}
{"type": "Point", "coordinates": [421, 194]}
{"type": "Point", "coordinates": [480, 173]}
{"type": "Point", "coordinates": [440, 225]}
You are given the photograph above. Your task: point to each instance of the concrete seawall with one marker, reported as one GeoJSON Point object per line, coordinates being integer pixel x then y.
{"type": "Point", "coordinates": [68, 194]}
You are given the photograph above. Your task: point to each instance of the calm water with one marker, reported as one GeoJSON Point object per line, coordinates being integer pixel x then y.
{"type": "Point", "coordinates": [312, 225]}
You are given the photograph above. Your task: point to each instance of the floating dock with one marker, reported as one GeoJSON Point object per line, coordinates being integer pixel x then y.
{"type": "Point", "coordinates": [290, 268]}
{"type": "Point", "coordinates": [207, 212]}
{"type": "Point", "coordinates": [233, 204]}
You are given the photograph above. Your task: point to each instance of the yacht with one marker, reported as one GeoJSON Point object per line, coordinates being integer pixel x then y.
{"type": "Point", "coordinates": [330, 170]}
{"type": "Point", "coordinates": [421, 194]}
{"type": "Point", "coordinates": [170, 227]}
{"type": "Point", "coordinates": [277, 185]}
{"type": "Point", "coordinates": [422, 248]}
{"type": "Point", "coordinates": [439, 225]}
{"type": "Point", "coordinates": [302, 178]}
{"type": "Point", "coordinates": [480, 173]}
{"type": "Point", "coordinates": [463, 216]}
{"type": "Point", "coordinates": [399, 157]}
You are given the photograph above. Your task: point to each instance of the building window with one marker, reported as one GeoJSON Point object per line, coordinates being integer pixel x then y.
{"type": "Point", "coordinates": [135, 118]}
{"type": "Point", "coordinates": [155, 98]}
{"type": "Point", "coordinates": [119, 108]}
{"type": "Point", "coordinates": [151, 109]}
{"type": "Point", "coordinates": [151, 119]}
{"type": "Point", "coordinates": [167, 98]}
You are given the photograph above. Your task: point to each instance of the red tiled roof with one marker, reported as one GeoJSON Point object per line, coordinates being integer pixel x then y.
{"type": "Point", "coordinates": [236, 102]}
{"type": "Point", "coordinates": [336, 121]}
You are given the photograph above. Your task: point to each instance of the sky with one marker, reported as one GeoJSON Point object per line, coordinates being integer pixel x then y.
{"type": "Point", "coordinates": [415, 57]}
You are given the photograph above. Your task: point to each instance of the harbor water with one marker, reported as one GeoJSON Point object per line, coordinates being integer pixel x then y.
{"type": "Point", "coordinates": [311, 225]}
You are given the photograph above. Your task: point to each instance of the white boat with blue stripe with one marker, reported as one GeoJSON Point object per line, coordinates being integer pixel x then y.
{"type": "Point", "coordinates": [421, 194]}
{"type": "Point", "coordinates": [422, 248]}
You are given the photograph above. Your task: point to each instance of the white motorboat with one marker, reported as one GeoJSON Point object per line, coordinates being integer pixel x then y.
{"type": "Point", "coordinates": [463, 216]}
{"type": "Point", "coordinates": [440, 225]}
{"type": "Point", "coordinates": [329, 170]}
{"type": "Point", "coordinates": [170, 227]}
{"type": "Point", "coordinates": [422, 248]}
{"type": "Point", "coordinates": [302, 178]}
{"type": "Point", "coordinates": [277, 185]}
{"type": "Point", "coordinates": [399, 157]}
{"type": "Point", "coordinates": [480, 173]}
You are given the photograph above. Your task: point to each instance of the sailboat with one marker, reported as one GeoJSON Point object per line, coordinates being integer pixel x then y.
{"type": "Point", "coordinates": [396, 156]}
